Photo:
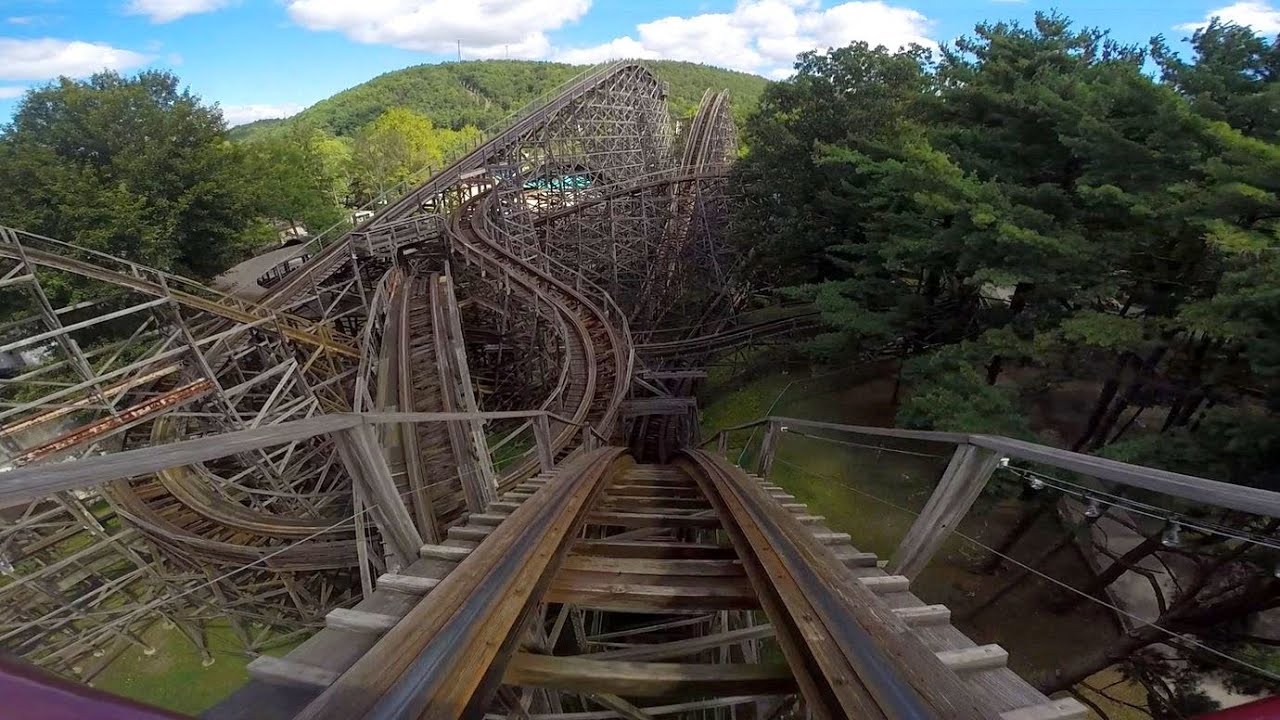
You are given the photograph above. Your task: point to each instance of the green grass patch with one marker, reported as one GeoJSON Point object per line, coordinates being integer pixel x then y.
{"type": "Point", "coordinates": [173, 678]}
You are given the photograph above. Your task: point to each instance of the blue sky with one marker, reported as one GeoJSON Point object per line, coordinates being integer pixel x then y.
{"type": "Point", "coordinates": [266, 58]}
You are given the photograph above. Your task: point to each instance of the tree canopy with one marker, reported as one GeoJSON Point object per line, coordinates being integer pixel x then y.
{"type": "Point", "coordinates": [1035, 214]}
{"type": "Point", "coordinates": [133, 166]}
{"type": "Point", "coordinates": [1033, 194]}
{"type": "Point", "coordinates": [481, 93]}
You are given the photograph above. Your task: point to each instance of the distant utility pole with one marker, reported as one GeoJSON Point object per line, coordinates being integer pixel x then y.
{"type": "Point", "coordinates": [459, 50]}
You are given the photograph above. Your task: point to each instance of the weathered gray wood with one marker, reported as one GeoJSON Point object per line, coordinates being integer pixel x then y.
{"type": "Point", "coordinates": [633, 679]}
{"type": "Point", "coordinates": [961, 483]}
{"type": "Point", "coordinates": [980, 657]}
{"type": "Point", "coordinates": [367, 465]}
{"type": "Point", "coordinates": [684, 648]}
{"type": "Point", "coordinates": [768, 449]}
{"type": "Point", "coordinates": [924, 615]}
{"type": "Point", "coordinates": [883, 584]}
{"type": "Point", "coordinates": [853, 558]}
{"type": "Point", "coordinates": [23, 485]}
{"type": "Point", "coordinates": [408, 584]}
{"type": "Point", "coordinates": [542, 439]}
{"type": "Point", "coordinates": [359, 621]}
{"type": "Point", "coordinates": [1064, 709]}
{"type": "Point", "coordinates": [287, 672]}
{"type": "Point", "coordinates": [444, 552]}
{"type": "Point", "coordinates": [464, 532]}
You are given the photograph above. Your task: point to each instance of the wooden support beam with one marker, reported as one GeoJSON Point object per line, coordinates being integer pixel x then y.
{"type": "Point", "coordinates": [359, 621]}
{"type": "Point", "coordinates": [1064, 709]}
{"type": "Point", "coordinates": [884, 584]}
{"type": "Point", "coordinates": [963, 480]}
{"type": "Point", "coordinates": [542, 439]}
{"type": "Point", "coordinates": [632, 679]}
{"type": "Point", "coordinates": [638, 520]}
{"type": "Point", "coordinates": [853, 558]}
{"type": "Point", "coordinates": [280, 671]}
{"type": "Point", "coordinates": [409, 584]}
{"type": "Point", "coordinates": [651, 593]}
{"type": "Point", "coordinates": [624, 709]}
{"type": "Point", "coordinates": [652, 566]}
{"type": "Point", "coordinates": [684, 648]}
{"type": "Point", "coordinates": [981, 657]}
{"type": "Point", "coordinates": [660, 550]}
{"type": "Point", "coordinates": [472, 533]}
{"type": "Point", "coordinates": [444, 552]}
{"type": "Point", "coordinates": [924, 615]}
{"type": "Point", "coordinates": [769, 448]}
{"type": "Point", "coordinates": [367, 466]}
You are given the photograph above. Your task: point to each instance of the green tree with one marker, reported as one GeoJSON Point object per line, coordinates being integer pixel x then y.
{"type": "Point", "coordinates": [1232, 76]}
{"type": "Point", "coordinates": [1034, 198]}
{"type": "Point", "coordinates": [133, 166]}
{"type": "Point", "coordinates": [302, 176]}
{"type": "Point", "coordinates": [402, 146]}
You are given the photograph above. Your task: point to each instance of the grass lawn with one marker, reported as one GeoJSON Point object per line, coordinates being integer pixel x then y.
{"type": "Point", "coordinates": [173, 677]}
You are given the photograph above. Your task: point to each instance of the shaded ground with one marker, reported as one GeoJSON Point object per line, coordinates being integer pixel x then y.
{"type": "Point", "coordinates": [874, 495]}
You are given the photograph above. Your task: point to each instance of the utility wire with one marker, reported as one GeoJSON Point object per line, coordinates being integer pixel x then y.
{"type": "Point", "coordinates": [1140, 508]}
{"type": "Point", "coordinates": [1178, 637]}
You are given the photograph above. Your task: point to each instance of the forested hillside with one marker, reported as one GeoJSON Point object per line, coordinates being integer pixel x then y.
{"type": "Point", "coordinates": [481, 93]}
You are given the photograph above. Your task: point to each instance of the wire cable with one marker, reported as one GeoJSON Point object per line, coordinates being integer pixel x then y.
{"type": "Point", "coordinates": [1177, 637]}
{"type": "Point", "coordinates": [1140, 508]}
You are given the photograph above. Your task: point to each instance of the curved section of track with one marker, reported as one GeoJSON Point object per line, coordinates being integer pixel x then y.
{"type": "Point", "coordinates": [702, 346]}
{"type": "Point", "coordinates": [334, 257]}
{"type": "Point", "coordinates": [598, 356]}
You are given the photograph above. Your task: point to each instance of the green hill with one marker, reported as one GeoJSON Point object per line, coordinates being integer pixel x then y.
{"type": "Point", "coordinates": [483, 92]}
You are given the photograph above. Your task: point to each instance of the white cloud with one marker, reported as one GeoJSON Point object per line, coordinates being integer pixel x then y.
{"type": "Point", "coordinates": [44, 58]}
{"type": "Point", "coordinates": [1261, 16]}
{"type": "Point", "coordinates": [241, 114]}
{"type": "Point", "coordinates": [10, 91]}
{"type": "Point", "coordinates": [163, 11]}
{"type": "Point", "coordinates": [763, 36]}
{"type": "Point", "coordinates": [485, 28]}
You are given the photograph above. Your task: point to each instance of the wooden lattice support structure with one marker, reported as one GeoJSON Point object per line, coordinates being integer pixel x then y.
{"type": "Point", "coordinates": [272, 538]}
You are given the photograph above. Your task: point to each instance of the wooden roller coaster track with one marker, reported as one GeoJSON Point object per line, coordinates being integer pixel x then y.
{"type": "Point", "coordinates": [326, 460]}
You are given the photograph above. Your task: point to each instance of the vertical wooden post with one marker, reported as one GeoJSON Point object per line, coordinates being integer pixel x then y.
{"type": "Point", "coordinates": [963, 480]}
{"type": "Point", "coordinates": [722, 443]}
{"type": "Point", "coordinates": [367, 466]}
{"type": "Point", "coordinates": [768, 448]}
{"type": "Point", "coordinates": [362, 550]}
{"type": "Point", "coordinates": [542, 438]}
